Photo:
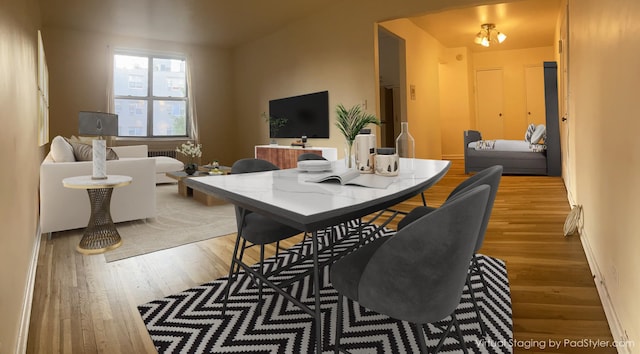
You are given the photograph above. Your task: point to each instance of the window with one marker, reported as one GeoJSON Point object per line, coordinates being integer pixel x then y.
{"type": "Point", "coordinates": [150, 93]}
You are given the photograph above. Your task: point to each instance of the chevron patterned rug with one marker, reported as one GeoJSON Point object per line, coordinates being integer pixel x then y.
{"type": "Point", "coordinates": [191, 321]}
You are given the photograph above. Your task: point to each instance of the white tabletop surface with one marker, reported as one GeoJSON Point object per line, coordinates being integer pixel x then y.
{"type": "Point", "coordinates": [86, 182]}
{"type": "Point", "coordinates": [287, 196]}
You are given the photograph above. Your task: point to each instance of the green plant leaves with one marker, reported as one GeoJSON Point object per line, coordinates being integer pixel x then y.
{"type": "Point", "coordinates": [351, 121]}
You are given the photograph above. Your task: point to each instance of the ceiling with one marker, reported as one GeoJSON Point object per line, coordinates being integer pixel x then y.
{"type": "Point", "coordinates": [527, 24]}
{"type": "Point", "coordinates": [221, 23]}
{"type": "Point", "coordinates": [228, 23]}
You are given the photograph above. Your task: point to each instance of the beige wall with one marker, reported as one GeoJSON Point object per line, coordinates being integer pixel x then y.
{"type": "Point", "coordinates": [21, 156]}
{"type": "Point", "coordinates": [456, 100]}
{"type": "Point", "coordinates": [423, 111]}
{"type": "Point", "coordinates": [604, 125]}
{"type": "Point", "coordinates": [78, 69]}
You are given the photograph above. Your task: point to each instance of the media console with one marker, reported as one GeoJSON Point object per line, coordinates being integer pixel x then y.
{"type": "Point", "coordinates": [287, 156]}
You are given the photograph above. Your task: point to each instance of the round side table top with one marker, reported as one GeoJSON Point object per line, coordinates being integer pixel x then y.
{"type": "Point", "coordinates": [87, 182]}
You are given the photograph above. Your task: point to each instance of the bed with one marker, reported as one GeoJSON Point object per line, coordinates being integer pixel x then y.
{"type": "Point", "coordinates": [513, 162]}
{"type": "Point", "coordinates": [527, 162]}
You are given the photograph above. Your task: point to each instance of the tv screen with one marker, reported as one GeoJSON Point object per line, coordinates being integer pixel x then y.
{"type": "Point", "coordinates": [304, 115]}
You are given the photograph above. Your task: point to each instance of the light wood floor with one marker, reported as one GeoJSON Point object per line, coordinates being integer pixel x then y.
{"type": "Point", "coordinates": [84, 305]}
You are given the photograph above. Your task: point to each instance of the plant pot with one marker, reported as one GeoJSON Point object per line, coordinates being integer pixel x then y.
{"type": "Point", "coordinates": [190, 168]}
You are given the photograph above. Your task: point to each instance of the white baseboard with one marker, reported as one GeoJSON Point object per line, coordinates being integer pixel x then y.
{"type": "Point", "coordinates": [453, 157]}
{"type": "Point", "coordinates": [617, 330]}
{"type": "Point", "coordinates": [613, 320]}
{"type": "Point", "coordinates": [25, 320]}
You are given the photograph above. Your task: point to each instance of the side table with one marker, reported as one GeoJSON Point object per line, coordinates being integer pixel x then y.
{"type": "Point", "coordinates": [101, 234]}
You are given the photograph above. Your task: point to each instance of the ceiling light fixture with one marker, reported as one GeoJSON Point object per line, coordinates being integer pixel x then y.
{"type": "Point", "coordinates": [489, 34]}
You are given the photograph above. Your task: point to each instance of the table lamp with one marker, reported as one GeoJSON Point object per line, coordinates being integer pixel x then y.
{"type": "Point", "coordinates": [98, 124]}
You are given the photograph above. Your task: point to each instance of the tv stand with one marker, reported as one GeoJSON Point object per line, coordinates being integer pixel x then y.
{"type": "Point", "coordinates": [287, 156]}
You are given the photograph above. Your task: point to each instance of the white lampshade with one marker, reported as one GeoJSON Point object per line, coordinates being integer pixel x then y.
{"type": "Point", "coordinates": [501, 37]}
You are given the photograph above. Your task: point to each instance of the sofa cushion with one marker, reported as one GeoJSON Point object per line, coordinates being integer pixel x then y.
{"type": "Point", "coordinates": [84, 152]}
{"type": "Point", "coordinates": [61, 150]}
{"type": "Point", "coordinates": [167, 164]}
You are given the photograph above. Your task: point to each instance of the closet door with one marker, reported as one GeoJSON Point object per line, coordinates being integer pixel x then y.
{"type": "Point", "coordinates": [534, 82]}
{"type": "Point", "coordinates": [489, 101]}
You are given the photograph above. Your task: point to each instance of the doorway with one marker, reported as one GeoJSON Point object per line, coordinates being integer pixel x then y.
{"type": "Point", "coordinates": [391, 72]}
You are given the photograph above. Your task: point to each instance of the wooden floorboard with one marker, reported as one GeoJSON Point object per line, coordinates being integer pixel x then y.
{"type": "Point", "coordinates": [82, 304]}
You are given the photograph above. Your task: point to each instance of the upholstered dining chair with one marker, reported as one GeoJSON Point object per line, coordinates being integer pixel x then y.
{"type": "Point", "coordinates": [490, 176]}
{"type": "Point", "coordinates": [259, 230]}
{"type": "Point", "coordinates": [310, 156]}
{"type": "Point", "coordinates": [415, 277]}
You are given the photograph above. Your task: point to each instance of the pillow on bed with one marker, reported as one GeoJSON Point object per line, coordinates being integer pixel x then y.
{"type": "Point", "coordinates": [538, 134]}
{"type": "Point", "coordinates": [485, 144]}
{"type": "Point", "coordinates": [530, 129]}
{"type": "Point", "coordinates": [537, 147]}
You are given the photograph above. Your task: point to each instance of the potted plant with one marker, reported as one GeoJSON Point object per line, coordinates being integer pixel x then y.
{"type": "Point", "coordinates": [275, 124]}
{"type": "Point", "coordinates": [191, 151]}
{"type": "Point", "coordinates": [350, 122]}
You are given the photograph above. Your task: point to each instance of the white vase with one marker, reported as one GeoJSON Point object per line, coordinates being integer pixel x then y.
{"type": "Point", "coordinates": [405, 144]}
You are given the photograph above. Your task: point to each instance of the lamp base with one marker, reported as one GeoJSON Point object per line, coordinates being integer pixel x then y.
{"type": "Point", "coordinates": [99, 159]}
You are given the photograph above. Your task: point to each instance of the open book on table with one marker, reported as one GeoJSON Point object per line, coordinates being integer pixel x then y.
{"type": "Point", "coordinates": [353, 177]}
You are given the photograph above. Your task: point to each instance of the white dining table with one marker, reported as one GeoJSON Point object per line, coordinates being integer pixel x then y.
{"type": "Point", "coordinates": [288, 196]}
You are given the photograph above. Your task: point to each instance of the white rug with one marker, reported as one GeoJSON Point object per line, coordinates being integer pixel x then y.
{"type": "Point", "coordinates": [180, 221]}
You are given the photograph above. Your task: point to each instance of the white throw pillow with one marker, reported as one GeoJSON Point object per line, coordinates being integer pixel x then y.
{"type": "Point", "coordinates": [538, 134]}
{"type": "Point", "coordinates": [61, 150]}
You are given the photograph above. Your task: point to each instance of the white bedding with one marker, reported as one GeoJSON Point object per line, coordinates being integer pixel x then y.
{"type": "Point", "coordinates": [506, 145]}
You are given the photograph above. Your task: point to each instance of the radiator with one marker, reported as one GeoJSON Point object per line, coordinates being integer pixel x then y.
{"type": "Point", "coordinates": [169, 153]}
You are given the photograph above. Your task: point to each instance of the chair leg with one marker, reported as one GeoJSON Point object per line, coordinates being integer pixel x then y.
{"type": "Point", "coordinates": [422, 342]}
{"type": "Point", "coordinates": [261, 271]}
{"type": "Point", "coordinates": [338, 325]}
{"type": "Point", "coordinates": [475, 305]}
{"type": "Point", "coordinates": [232, 275]}
{"type": "Point", "coordinates": [236, 271]}
{"type": "Point", "coordinates": [445, 334]}
{"type": "Point", "coordinates": [459, 332]}
{"type": "Point", "coordinates": [424, 201]}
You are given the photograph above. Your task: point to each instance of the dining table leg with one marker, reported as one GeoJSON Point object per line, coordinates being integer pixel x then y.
{"type": "Point", "coordinates": [316, 290]}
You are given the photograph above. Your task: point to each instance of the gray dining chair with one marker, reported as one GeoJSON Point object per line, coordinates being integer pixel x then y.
{"type": "Point", "coordinates": [255, 228]}
{"type": "Point", "coordinates": [415, 277]}
{"type": "Point", "coordinates": [490, 176]}
{"type": "Point", "coordinates": [310, 156]}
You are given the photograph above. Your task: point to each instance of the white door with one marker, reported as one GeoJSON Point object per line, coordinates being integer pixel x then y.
{"type": "Point", "coordinates": [489, 100]}
{"type": "Point", "coordinates": [534, 82]}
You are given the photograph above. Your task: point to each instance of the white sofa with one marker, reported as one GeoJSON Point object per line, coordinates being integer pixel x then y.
{"type": "Point", "coordinates": [64, 208]}
{"type": "Point", "coordinates": [164, 164]}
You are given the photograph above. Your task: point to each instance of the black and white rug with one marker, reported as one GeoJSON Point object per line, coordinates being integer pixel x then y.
{"type": "Point", "coordinates": [191, 321]}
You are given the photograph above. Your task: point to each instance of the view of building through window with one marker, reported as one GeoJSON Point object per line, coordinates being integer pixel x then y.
{"type": "Point", "coordinates": [150, 95]}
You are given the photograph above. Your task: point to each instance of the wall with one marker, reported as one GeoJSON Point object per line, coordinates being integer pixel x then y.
{"type": "Point", "coordinates": [604, 72]}
{"type": "Point", "coordinates": [332, 50]}
{"type": "Point", "coordinates": [19, 22]}
{"type": "Point", "coordinates": [79, 82]}
{"type": "Point", "coordinates": [423, 110]}
{"type": "Point", "coordinates": [456, 100]}
{"type": "Point", "coordinates": [513, 63]}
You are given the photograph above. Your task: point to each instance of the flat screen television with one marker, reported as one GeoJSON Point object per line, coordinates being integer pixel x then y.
{"type": "Point", "coordinates": [304, 115]}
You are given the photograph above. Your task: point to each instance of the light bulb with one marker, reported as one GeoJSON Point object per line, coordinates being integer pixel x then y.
{"type": "Point", "coordinates": [501, 37]}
